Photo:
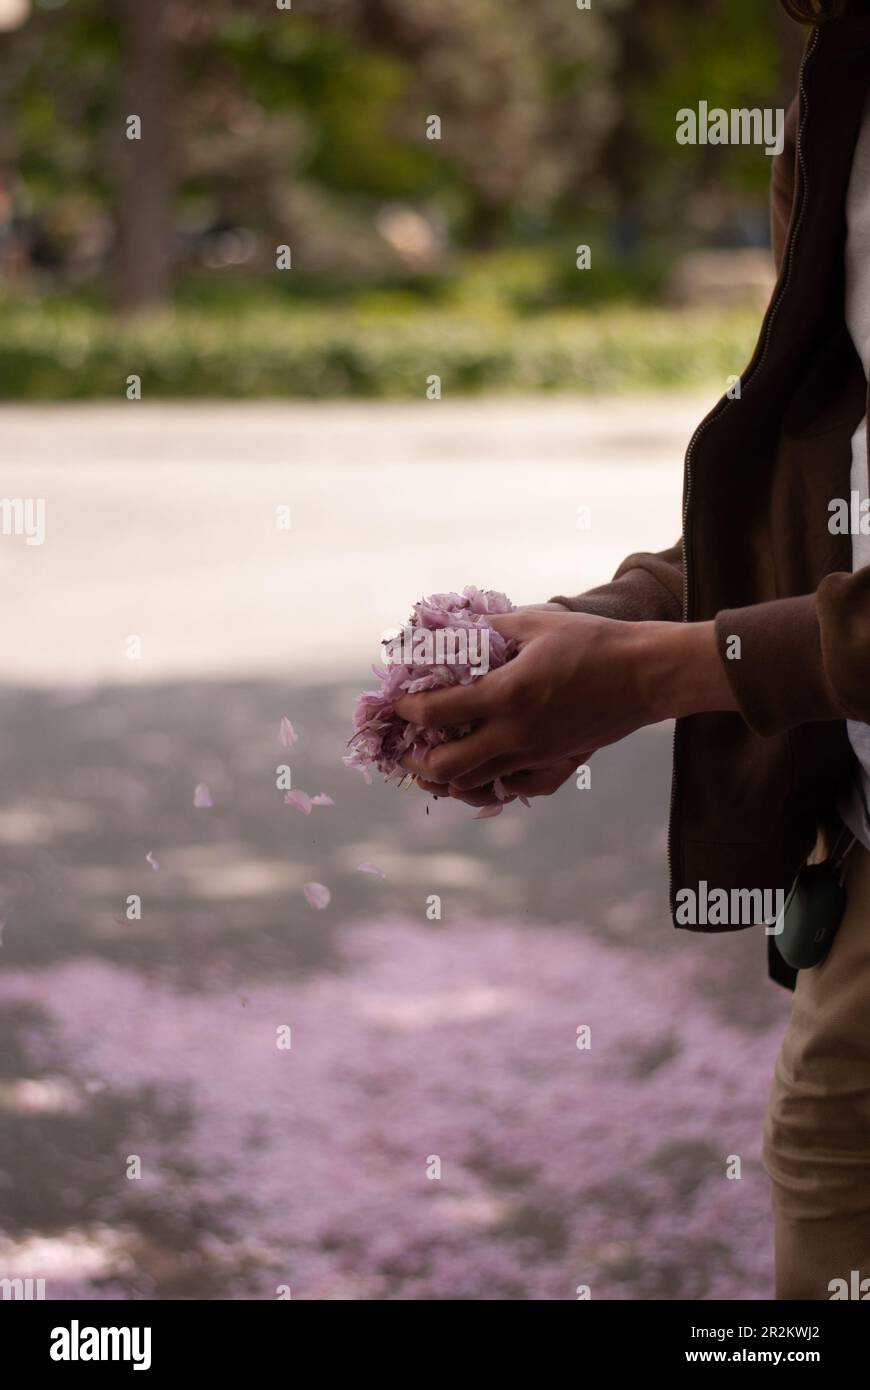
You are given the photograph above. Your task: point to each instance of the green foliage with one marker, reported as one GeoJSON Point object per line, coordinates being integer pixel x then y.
{"type": "Point", "coordinates": [729, 56]}
{"type": "Point", "coordinates": [549, 112]}
{"type": "Point", "coordinates": [68, 350]}
{"type": "Point", "coordinates": [307, 127]}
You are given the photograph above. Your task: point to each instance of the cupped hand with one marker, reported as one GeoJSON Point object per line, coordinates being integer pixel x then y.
{"type": "Point", "coordinates": [577, 684]}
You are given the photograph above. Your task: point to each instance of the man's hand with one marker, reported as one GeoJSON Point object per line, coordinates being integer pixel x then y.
{"type": "Point", "coordinates": [578, 683]}
{"type": "Point", "coordinates": [544, 782]}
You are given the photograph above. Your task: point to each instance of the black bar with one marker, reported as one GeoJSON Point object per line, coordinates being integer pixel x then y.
{"type": "Point", "coordinates": [247, 1337]}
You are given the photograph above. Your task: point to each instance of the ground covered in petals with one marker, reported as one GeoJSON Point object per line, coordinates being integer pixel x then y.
{"type": "Point", "coordinates": [433, 1131]}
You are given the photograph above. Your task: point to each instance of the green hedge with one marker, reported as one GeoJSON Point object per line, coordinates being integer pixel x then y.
{"type": "Point", "coordinates": [54, 352]}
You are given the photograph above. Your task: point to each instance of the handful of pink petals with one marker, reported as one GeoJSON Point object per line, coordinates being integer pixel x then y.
{"type": "Point", "coordinates": [448, 640]}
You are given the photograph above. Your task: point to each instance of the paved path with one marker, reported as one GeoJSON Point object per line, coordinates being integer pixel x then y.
{"type": "Point", "coordinates": [161, 523]}
{"type": "Point", "coordinates": [156, 1035]}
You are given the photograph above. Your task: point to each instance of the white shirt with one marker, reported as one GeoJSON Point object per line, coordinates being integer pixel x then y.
{"type": "Point", "coordinates": [857, 263]}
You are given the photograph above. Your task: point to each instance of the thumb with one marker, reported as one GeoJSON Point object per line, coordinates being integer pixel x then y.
{"type": "Point", "coordinates": [519, 626]}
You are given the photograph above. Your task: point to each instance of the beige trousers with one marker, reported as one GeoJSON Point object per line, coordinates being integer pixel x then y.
{"type": "Point", "coordinates": [817, 1135]}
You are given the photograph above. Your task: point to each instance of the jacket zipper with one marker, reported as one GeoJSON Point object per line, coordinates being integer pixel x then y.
{"type": "Point", "coordinates": [722, 405]}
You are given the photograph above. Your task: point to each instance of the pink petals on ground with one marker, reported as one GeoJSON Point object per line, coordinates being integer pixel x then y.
{"type": "Point", "coordinates": [316, 895]}
{"type": "Point", "coordinates": [202, 797]}
{"type": "Point", "coordinates": [370, 869]}
{"type": "Point", "coordinates": [287, 734]}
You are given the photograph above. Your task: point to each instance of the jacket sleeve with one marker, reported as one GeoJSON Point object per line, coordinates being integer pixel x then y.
{"type": "Point", "coordinates": [645, 588]}
{"type": "Point", "coordinates": [804, 659]}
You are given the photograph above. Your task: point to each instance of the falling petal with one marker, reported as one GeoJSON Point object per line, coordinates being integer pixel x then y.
{"type": "Point", "coordinates": [202, 797]}
{"type": "Point", "coordinates": [287, 733]}
{"type": "Point", "coordinates": [321, 799]}
{"type": "Point", "coordinates": [487, 812]}
{"type": "Point", "coordinates": [300, 800]}
{"type": "Point", "coordinates": [357, 767]}
{"type": "Point", "coordinates": [316, 895]}
{"type": "Point", "coordinates": [370, 869]}
{"type": "Point", "coordinates": [149, 858]}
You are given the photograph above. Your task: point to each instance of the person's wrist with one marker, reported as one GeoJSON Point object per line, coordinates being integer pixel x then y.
{"type": "Point", "coordinates": [681, 671]}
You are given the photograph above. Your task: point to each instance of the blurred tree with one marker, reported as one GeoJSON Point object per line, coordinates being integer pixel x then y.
{"type": "Point", "coordinates": [145, 211]}
{"type": "Point", "coordinates": [309, 126]}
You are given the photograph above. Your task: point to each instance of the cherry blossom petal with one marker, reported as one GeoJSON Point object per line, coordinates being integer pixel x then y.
{"type": "Point", "coordinates": [316, 895]}
{"type": "Point", "coordinates": [287, 733]}
{"type": "Point", "coordinates": [202, 797]}
{"type": "Point", "coordinates": [301, 800]}
{"type": "Point", "coordinates": [370, 869]}
{"type": "Point", "coordinates": [321, 799]}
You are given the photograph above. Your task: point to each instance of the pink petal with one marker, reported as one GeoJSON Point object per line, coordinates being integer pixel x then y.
{"type": "Point", "coordinates": [202, 797]}
{"type": "Point", "coordinates": [316, 895]}
{"type": "Point", "coordinates": [487, 812]}
{"type": "Point", "coordinates": [287, 733]}
{"type": "Point", "coordinates": [300, 800]}
{"type": "Point", "coordinates": [357, 767]}
{"type": "Point", "coordinates": [321, 799]}
{"type": "Point", "coordinates": [149, 859]}
{"type": "Point", "coordinates": [370, 869]}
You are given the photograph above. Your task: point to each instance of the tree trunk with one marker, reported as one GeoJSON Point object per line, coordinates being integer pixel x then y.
{"type": "Point", "coordinates": [145, 218]}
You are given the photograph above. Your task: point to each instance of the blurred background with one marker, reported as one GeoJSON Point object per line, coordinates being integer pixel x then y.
{"type": "Point", "coordinates": [369, 368]}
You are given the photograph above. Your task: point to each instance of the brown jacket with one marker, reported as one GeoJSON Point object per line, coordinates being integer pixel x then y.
{"type": "Point", "coordinates": [756, 553]}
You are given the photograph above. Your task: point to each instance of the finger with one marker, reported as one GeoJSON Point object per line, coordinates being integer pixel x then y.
{"type": "Point", "coordinates": [435, 788]}
{"type": "Point", "coordinates": [488, 755]}
{"type": "Point", "coordinates": [489, 744]}
{"type": "Point", "coordinates": [479, 798]}
{"type": "Point", "coordinates": [452, 704]}
{"type": "Point", "coordinates": [521, 625]}
{"type": "Point", "coordinates": [541, 782]}
{"type": "Point", "coordinates": [501, 766]}
{"type": "Point", "coordinates": [543, 608]}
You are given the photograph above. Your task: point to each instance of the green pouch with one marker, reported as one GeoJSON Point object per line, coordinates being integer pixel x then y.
{"type": "Point", "coordinates": [816, 905]}
{"type": "Point", "coordinates": [812, 913]}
